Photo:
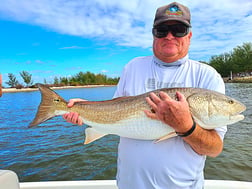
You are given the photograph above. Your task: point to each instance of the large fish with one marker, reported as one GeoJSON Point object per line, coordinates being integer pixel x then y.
{"type": "Point", "coordinates": [125, 116]}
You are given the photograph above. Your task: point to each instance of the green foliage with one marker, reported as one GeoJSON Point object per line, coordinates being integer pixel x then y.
{"type": "Point", "coordinates": [87, 78]}
{"type": "Point", "coordinates": [79, 79]}
{"type": "Point", "coordinates": [239, 60]}
{"type": "Point", "coordinates": [13, 82]}
{"type": "Point", "coordinates": [56, 81]}
{"type": "Point", "coordinates": [63, 80]}
{"type": "Point", "coordinates": [26, 77]}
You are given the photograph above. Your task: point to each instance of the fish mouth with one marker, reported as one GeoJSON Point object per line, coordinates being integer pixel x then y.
{"type": "Point", "coordinates": [236, 117]}
{"type": "Point", "coordinates": [238, 114]}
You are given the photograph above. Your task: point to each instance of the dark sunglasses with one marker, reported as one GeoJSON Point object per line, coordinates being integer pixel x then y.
{"type": "Point", "coordinates": [177, 30]}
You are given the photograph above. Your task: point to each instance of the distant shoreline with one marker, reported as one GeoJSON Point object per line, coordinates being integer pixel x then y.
{"type": "Point", "coordinates": [14, 90]}
{"type": "Point", "coordinates": [247, 79]}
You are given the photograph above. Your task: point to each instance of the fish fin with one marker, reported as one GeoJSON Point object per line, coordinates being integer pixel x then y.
{"type": "Point", "coordinates": [47, 107]}
{"type": "Point", "coordinates": [92, 135]}
{"type": "Point", "coordinates": [169, 135]}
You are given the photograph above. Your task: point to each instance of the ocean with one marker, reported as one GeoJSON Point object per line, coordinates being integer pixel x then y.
{"type": "Point", "coordinates": [55, 150]}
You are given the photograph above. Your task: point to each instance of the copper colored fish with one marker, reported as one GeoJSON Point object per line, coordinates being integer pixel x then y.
{"type": "Point", "coordinates": [125, 116]}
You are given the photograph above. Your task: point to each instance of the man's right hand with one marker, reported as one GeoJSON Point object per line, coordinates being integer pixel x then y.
{"type": "Point", "coordinates": [73, 117]}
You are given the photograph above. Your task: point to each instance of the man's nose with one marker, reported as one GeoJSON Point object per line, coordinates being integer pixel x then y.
{"type": "Point", "coordinates": [169, 35]}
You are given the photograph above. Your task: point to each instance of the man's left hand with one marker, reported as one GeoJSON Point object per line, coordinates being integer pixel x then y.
{"type": "Point", "coordinates": [175, 113]}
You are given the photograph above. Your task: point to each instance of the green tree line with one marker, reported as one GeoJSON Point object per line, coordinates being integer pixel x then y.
{"type": "Point", "coordinates": [79, 79]}
{"type": "Point", "coordinates": [238, 60]}
{"type": "Point", "coordinates": [13, 82]}
{"type": "Point", "coordinates": [86, 78]}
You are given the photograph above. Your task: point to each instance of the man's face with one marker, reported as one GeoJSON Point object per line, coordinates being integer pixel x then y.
{"type": "Point", "coordinates": [171, 48]}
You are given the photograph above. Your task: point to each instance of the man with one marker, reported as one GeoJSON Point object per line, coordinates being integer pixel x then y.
{"type": "Point", "coordinates": [179, 161]}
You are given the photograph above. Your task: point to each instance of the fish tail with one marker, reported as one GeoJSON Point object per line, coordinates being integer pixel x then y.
{"type": "Point", "coordinates": [48, 105]}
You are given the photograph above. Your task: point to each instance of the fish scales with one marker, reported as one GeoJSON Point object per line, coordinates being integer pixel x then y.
{"type": "Point", "coordinates": [115, 110]}
{"type": "Point", "coordinates": [125, 116]}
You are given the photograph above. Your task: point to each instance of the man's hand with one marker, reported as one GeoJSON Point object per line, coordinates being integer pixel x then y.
{"type": "Point", "coordinates": [73, 117]}
{"type": "Point", "coordinates": [174, 113]}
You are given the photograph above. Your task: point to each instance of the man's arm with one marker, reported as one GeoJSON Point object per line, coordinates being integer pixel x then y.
{"type": "Point", "coordinates": [176, 114]}
{"type": "Point", "coordinates": [205, 142]}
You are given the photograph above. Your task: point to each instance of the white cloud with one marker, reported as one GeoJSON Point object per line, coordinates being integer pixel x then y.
{"type": "Point", "coordinates": [72, 47]}
{"type": "Point", "coordinates": [104, 71]}
{"type": "Point", "coordinates": [218, 26]}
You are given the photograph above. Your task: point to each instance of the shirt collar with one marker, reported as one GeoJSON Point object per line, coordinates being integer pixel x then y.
{"type": "Point", "coordinates": [165, 64]}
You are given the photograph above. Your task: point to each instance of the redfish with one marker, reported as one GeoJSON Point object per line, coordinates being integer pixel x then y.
{"type": "Point", "coordinates": [125, 116]}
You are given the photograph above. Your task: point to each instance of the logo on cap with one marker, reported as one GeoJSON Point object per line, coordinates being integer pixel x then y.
{"type": "Point", "coordinates": [174, 11]}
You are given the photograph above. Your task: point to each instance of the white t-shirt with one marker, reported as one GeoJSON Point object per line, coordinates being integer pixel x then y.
{"type": "Point", "coordinates": [172, 163]}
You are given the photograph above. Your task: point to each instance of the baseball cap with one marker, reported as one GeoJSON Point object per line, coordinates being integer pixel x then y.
{"type": "Point", "coordinates": [173, 11]}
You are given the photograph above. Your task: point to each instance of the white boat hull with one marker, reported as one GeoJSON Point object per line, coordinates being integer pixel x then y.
{"type": "Point", "coordinates": [101, 184]}
{"type": "Point", "coordinates": [9, 180]}
{"type": "Point", "coordinates": [111, 184]}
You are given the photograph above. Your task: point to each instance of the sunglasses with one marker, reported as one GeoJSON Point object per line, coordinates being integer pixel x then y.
{"type": "Point", "coordinates": [177, 30]}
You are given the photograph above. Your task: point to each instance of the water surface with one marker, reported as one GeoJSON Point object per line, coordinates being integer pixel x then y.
{"type": "Point", "coordinates": [55, 150]}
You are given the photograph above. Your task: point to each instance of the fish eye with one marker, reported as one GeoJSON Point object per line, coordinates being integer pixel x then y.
{"type": "Point", "coordinates": [231, 102]}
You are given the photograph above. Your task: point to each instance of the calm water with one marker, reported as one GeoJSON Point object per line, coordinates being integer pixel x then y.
{"type": "Point", "coordinates": [55, 151]}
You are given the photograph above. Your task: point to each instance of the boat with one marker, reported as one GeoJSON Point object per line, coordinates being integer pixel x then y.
{"type": "Point", "coordinates": [9, 180]}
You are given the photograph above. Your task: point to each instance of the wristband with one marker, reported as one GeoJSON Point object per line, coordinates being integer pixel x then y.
{"type": "Point", "coordinates": [190, 131]}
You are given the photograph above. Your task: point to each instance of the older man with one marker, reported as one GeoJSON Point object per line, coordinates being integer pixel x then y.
{"type": "Point", "coordinates": [177, 162]}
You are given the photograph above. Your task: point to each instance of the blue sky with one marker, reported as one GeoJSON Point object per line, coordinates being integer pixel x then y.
{"type": "Point", "coordinates": [51, 38]}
